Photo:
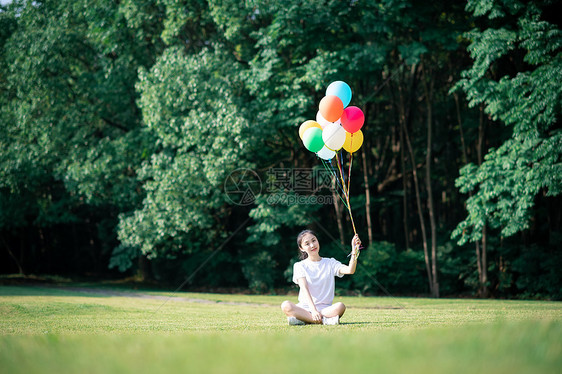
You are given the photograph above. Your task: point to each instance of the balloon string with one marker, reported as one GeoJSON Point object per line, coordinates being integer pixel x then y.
{"type": "Point", "coordinates": [350, 162]}
{"type": "Point", "coordinates": [352, 223]}
{"type": "Point", "coordinates": [343, 201]}
{"type": "Point", "coordinates": [335, 175]}
{"type": "Point", "coordinates": [341, 175]}
{"type": "Point", "coordinates": [336, 181]}
{"type": "Point", "coordinates": [348, 184]}
{"type": "Point", "coordinates": [346, 196]}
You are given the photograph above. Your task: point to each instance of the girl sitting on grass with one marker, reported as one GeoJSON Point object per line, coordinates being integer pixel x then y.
{"type": "Point", "coordinates": [316, 278]}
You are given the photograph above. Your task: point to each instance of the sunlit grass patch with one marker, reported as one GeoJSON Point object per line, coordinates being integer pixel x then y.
{"type": "Point", "coordinates": [54, 330]}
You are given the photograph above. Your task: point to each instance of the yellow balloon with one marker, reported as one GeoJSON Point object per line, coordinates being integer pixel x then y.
{"type": "Point", "coordinates": [306, 125]}
{"type": "Point", "coordinates": [353, 141]}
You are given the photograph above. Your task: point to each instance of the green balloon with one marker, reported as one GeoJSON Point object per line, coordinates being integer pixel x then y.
{"type": "Point", "coordinates": [312, 139]}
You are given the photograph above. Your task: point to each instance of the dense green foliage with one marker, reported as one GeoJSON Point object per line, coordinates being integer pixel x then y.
{"type": "Point", "coordinates": [121, 124]}
{"type": "Point", "coordinates": [528, 163]}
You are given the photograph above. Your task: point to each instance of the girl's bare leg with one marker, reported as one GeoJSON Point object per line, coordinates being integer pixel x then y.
{"type": "Point", "coordinates": [338, 309]}
{"type": "Point", "coordinates": [292, 310]}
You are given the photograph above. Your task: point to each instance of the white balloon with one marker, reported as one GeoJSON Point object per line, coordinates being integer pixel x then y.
{"type": "Point", "coordinates": [326, 153]}
{"type": "Point", "coordinates": [323, 121]}
{"type": "Point", "coordinates": [333, 136]}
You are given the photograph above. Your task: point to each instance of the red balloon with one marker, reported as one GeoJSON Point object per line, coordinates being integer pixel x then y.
{"type": "Point", "coordinates": [352, 119]}
{"type": "Point", "coordinates": [331, 108]}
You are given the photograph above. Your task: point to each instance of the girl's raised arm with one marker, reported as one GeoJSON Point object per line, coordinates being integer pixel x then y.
{"type": "Point", "coordinates": [350, 269]}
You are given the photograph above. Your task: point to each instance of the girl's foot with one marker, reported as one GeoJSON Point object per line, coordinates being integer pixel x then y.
{"type": "Point", "coordinates": [293, 321]}
{"type": "Point", "coordinates": [331, 320]}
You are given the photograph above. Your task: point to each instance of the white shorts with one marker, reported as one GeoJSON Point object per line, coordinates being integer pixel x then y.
{"type": "Point", "coordinates": [319, 307]}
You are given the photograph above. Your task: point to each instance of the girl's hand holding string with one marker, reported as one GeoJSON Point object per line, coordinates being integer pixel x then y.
{"type": "Point", "coordinates": [355, 245]}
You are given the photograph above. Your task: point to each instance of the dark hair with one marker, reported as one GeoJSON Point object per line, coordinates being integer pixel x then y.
{"type": "Point", "coordinates": [303, 255]}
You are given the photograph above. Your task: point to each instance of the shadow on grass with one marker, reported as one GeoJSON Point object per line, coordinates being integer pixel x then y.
{"type": "Point", "coordinates": [378, 307]}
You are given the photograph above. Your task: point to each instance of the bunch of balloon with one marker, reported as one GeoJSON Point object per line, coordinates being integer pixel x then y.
{"type": "Point", "coordinates": [337, 126]}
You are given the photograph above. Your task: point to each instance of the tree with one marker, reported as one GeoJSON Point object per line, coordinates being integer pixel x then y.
{"type": "Point", "coordinates": [72, 135]}
{"type": "Point", "coordinates": [515, 75]}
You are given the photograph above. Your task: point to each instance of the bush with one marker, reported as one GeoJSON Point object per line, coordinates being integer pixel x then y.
{"type": "Point", "coordinates": [259, 271]}
{"type": "Point", "coordinates": [382, 266]}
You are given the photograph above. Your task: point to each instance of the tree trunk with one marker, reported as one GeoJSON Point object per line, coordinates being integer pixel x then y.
{"type": "Point", "coordinates": [143, 272]}
{"type": "Point", "coordinates": [430, 203]}
{"type": "Point", "coordinates": [420, 212]}
{"type": "Point", "coordinates": [22, 251]}
{"type": "Point", "coordinates": [483, 275]}
{"type": "Point", "coordinates": [405, 189]}
{"type": "Point", "coordinates": [480, 253]}
{"type": "Point", "coordinates": [459, 121]}
{"type": "Point", "coordinates": [484, 290]}
{"type": "Point", "coordinates": [403, 123]}
{"type": "Point", "coordinates": [7, 246]}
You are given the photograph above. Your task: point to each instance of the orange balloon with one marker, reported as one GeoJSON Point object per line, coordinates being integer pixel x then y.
{"type": "Point", "coordinates": [306, 125]}
{"type": "Point", "coordinates": [353, 141]}
{"type": "Point", "coordinates": [331, 108]}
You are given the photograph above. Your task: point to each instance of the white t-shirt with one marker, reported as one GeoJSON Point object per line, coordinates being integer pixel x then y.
{"type": "Point", "coordinates": [320, 277]}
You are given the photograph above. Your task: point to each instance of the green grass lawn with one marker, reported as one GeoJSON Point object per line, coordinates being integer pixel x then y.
{"type": "Point", "coordinates": [47, 329]}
